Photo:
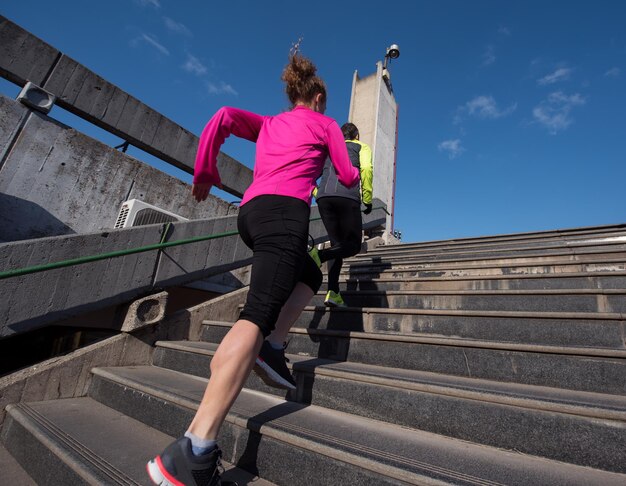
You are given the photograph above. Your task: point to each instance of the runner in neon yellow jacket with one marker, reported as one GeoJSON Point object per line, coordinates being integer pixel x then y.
{"type": "Point", "coordinates": [340, 209]}
{"type": "Point", "coordinates": [361, 158]}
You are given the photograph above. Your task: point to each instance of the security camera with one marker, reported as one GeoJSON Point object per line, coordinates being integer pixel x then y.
{"type": "Point", "coordinates": [393, 51]}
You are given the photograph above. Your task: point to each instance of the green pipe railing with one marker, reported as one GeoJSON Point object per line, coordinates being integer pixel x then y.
{"type": "Point", "coordinates": [114, 254]}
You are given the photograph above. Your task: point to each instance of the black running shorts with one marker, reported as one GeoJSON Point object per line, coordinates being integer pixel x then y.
{"type": "Point", "coordinates": [276, 229]}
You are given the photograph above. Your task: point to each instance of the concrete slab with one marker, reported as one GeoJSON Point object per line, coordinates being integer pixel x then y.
{"type": "Point", "coordinates": [86, 441]}
{"type": "Point", "coordinates": [549, 422]}
{"type": "Point", "coordinates": [23, 57]}
{"type": "Point", "coordinates": [12, 472]}
{"type": "Point", "coordinates": [552, 366]}
{"type": "Point", "coordinates": [315, 436]}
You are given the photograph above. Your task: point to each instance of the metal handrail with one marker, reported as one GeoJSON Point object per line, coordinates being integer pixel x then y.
{"type": "Point", "coordinates": [103, 256]}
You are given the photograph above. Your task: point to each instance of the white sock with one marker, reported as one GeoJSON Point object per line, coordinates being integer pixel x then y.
{"type": "Point", "coordinates": [200, 446]}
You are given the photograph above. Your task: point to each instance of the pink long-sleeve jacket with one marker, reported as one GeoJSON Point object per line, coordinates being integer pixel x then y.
{"type": "Point", "coordinates": [290, 150]}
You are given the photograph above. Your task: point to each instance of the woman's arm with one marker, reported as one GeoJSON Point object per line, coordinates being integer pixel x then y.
{"type": "Point", "coordinates": [226, 121]}
{"type": "Point", "coordinates": [367, 176]}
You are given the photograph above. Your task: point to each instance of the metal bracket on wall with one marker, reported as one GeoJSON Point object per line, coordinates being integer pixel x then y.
{"type": "Point", "coordinates": [166, 230]}
{"type": "Point", "coordinates": [123, 146]}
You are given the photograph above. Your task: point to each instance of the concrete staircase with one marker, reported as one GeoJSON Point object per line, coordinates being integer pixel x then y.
{"type": "Point", "coordinates": [497, 360]}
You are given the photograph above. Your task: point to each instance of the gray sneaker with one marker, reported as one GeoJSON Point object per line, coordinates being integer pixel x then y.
{"type": "Point", "coordinates": [271, 367]}
{"type": "Point", "coordinates": [178, 466]}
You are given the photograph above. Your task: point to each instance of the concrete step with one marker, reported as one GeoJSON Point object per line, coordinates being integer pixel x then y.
{"type": "Point", "coordinates": [12, 473]}
{"type": "Point", "coordinates": [552, 281]}
{"type": "Point", "coordinates": [323, 446]}
{"type": "Point", "coordinates": [567, 300]}
{"type": "Point", "coordinates": [561, 329]}
{"type": "Point", "coordinates": [571, 264]}
{"type": "Point", "coordinates": [442, 260]}
{"type": "Point", "coordinates": [593, 369]}
{"type": "Point", "coordinates": [558, 247]}
{"type": "Point", "coordinates": [81, 441]}
{"type": "Point", "coordinates": [500, 258]}
{"type": "Point", "coordinates": [564, 425]}
{"type": "Point", "coordinates": [590, 232]}
{"type": "Point", "coordinates": [548, 243]}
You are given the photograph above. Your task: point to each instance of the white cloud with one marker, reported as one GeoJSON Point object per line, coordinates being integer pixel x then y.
{"type": "Point", "coordinates": [194, 66]}
{"type": "Point", "coordinates": [452, 147]}
{"type": "Point", "coordinates": [561, 74]}
{"type": "Point", "coordinates": [484, 107]}
{"type": "Point", "coordinates": [176, 27]}
{"type": "Point", "coordinates": [221, 88]}
{"type": "Point", "coordinates": [560, 97]}
{"type": "Point", "coordinates": [150, 40]}
{"type": "Point", "coordinates": [613, 72]}
{"type": "Point", "coordinates": [489, 56]}
{"type": "Point", "coordinates": [504, 31]}
{"type": "Point", "coordinates": [554, 113]}
{"type": "Point", "coordinates": [149, 3]}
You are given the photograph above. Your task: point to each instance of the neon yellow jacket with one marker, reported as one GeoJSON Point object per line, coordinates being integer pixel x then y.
{"type": "Point", "coordinates": [361, 158]}
{"type": "Point", "coordinates": [366, 168]}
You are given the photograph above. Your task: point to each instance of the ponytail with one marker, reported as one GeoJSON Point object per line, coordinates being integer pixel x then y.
{"type": "Point", "coordinates": [301, 83]}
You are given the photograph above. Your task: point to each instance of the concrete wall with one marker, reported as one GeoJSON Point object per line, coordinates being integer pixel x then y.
{"type": "Point", "coordinates": [363, 107]}
{"type": "Point", "coordinates": [69, 376]}
{"type": "Point", "coordinates": [31, 301]}
{"type": "Point", "coordinates": [55, 180]}
{"type": "Point", "coordinates": [38, 299]}
{"type": "Point", "coordinates": [24, 57]}
{"type": "Point", "coordinates": [373, 110]}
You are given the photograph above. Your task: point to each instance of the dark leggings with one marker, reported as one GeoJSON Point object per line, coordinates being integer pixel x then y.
{"type": "Point", "coordinates": [342, 219]}
{"type": "Point", "coordinates": [276, 229]}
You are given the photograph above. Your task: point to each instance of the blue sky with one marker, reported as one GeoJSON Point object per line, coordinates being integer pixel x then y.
{"type": "Point", "coordinates": [511, 114]}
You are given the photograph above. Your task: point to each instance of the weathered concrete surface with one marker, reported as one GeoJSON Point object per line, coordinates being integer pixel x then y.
{"type": "Point", "coordinates": [224, 308]}
{"type": "Point", "coordinates": [185, 263]}
{"type": "Point", "coordinates": [12, 472]}
{"type": "Point", "coordinates": [34, 300]}
{"type": "Point", "coordinates": [144, 312]}
{"type": "Point", "coordinates": [68, 376]}
{"type": "Point", "coordinates": [224, 282]}
{"type": "Point", "coordinates": [13, 116]}
{"type": "Point", "coordinates": [113, 448]}
{"type": "Point", "coordinates": [31, 301]}
{"type": "Point", "coordinates": [373, 110]}
{"type": "Point", "coordinates": [372, 243]}
{"type": "Point", "coordinates": [58, 181]}
{"type": "Point", "coordinates": [24, 57]}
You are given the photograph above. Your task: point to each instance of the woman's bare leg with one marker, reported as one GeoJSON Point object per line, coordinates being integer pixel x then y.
{"type": "Point", "coordinates": [298, 300]}
{"type": "Point", "coordinates": [230, 368]}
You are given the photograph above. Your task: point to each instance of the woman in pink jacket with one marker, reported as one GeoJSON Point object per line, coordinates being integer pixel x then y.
{"type": "Point", "coordinates": [273, 221]}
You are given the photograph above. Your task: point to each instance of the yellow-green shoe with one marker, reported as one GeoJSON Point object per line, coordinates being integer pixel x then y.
{"type": "Point", "coordinates": [314, 254]}
{"type": "Point", "coordinates": [334, 299]}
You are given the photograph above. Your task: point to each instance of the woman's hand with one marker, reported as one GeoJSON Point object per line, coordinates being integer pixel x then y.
{"type": "Point", "coordinates": [201, 191]}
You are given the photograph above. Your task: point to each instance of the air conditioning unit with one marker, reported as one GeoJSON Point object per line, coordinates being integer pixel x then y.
{"type": "Point", "coordinates": [138, 213]}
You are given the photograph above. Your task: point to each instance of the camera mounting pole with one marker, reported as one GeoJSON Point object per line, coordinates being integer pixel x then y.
{"type": "Point", "coordinates": [393, 52]}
